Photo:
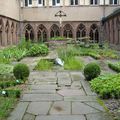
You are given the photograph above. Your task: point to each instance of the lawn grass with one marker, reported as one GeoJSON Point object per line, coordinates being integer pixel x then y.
{"type": "Point", "coordinates": [44, 64]}
{"type": "Point", "coordinates": [6, 105]}
{"type": "Point", "coordinates": [72, 63]}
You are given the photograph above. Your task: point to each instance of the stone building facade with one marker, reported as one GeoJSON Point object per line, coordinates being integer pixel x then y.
{"type": "Point", "coordinates": [112, 28]}
{"type": "Point", "coordinates": [35, 19]}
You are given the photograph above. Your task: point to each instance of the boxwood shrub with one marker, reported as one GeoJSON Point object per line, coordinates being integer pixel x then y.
{"type": "Point", "coordinates": [21, 71]}
{"type": "Point", "coordinates": [91, 71]}
{"type": "Point", "coordinates": [107, 86]}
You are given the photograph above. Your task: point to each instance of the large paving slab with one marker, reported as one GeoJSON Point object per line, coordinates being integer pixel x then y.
{"type": "Point", "coordinates": [81, 108]}
{"type": "Point", "coordinates": [42, 87]}
{"type": "Point", "coordinates": [19, 111]}
{"type": "Point", "coordinates": [71, 92]}
{"type": "Point", "coordinates": [40, 91]}
{"type": "Point", "coordinates": [28, 116]}
{"type": "Point", "coordinates": [61, 117]}
{"type": "Point", "coordinates": [41, 97]}
{"type": "Point", "coordinates": [39, 108]}
{"type": "Point", "coordinates": [61, 108]}
{"type": "Point", "coordinates": [99, 116]}
{"type": "Point", "coordinates": [80, 98]}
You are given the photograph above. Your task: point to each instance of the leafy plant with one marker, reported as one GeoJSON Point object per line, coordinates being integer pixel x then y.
{"type": "Point", "coordinates": [21, 71]}
{"type": "Point", "coordinates": [91, 71]}
{"type": "Point", "coordinates": [58, 38]}
{"type": "Point", "coordinates": [38, 49]}
{"type": "Point", "coordinates": [107, 86]}
{"type": "Point", "coordinates": [114, 66]}
{"type": "Point", "coordinates": [6, 69]}
{"type": "Point", "coordinates": [44, 64]}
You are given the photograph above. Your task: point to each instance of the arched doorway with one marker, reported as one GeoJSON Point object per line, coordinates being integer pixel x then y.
{"type": "Point", "coordinates": [94, 33]}
{"type": "Point", "coordinates": [67, 31]}
{"type": "Point", "coordinates": [7, 32]}
{"type": "Point", "coordinates": [12, 33]}
{"type": "Point", "coordinates": [29, 33]}
{"type": "Point", "coordinates": [55, 31]}
{"type": "Point", "coordinates": [41, 33]}
{"type": "Point", "coordinates": [81, 31]}
{"type": "Point", "coordinates": [1, 31]}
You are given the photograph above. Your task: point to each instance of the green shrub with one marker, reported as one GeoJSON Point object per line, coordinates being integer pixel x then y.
{"type": "Point", "coordinates": [38, 49]}
{"type": "Point", "coordinates": [44, 64]}
{"type": "Point", "coordinates": [107, 86]}
{"type": "Point", "coordinates": [114, 66]}
{"type": "Point", "coordinates": [21, 71]}
{"type": "Point", "coordinates": [91, 71]}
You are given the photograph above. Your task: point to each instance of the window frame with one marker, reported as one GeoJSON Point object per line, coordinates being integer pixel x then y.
{"type": "Point", "coordinates": [28, 3]}
{"type": "Point", "coordinates": [42, 3]}
{"type": "Point", "coordinates": [113, 2]}
{"type": "Point", "coordinates": [94, 2]}
{"type": "Point", "coordinates": [74, 2]}
{"type": "Point", "coordinates": [56, 3]}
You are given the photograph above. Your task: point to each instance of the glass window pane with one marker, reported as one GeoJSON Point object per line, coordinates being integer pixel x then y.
{"type": "Point", "coordinates": [30, 2]}
{"type": "Point", "coordinates": [40, 2]}
{"type": "Point", "coordinates": [91, 1]}
{"type": "Point", "coordinates": [76, 2]}
{"type": "Point", "coordinates": [53, 2]}
{"type": "Point", "coordinates": [115, 1]}
{"type": "Point", "coordinates": [96, 1]}
{"type": "Point", "coordinates": [58, 1]}
{"type": "Point", "coordinates": [26, 2]}
{"type": "Point", "coordinates": [72, 2]}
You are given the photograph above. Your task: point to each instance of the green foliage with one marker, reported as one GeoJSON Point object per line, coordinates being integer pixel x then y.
{"type": "Point", "coordinates": [68, 56]}
{"type": "Point", "coordinates": [38, 49]}
{"type": "Point", "coordinates": [11, 93]}
{"type": "Point", "coordinates": [107, 86]}
{"type": "Point", "coordinates": [58, 38]}
{"type": "Point", "coordinates": [44, 64]}
{"type": "Point", "coordinates": [21, 71]}
{"type": "Point", "coordinates": [6, 69]}
{"type": "Point", "coordinates": [114, 66]}
{"type": "Point", "coordinates": [71, 63]}
{"type": "Point", "coordinates": [5, 106]}
{"type": "Point", "coordinates": [91, 71]}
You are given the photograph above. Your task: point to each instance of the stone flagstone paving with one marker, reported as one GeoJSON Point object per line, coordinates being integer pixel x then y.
{"type": "Point", "coordinates": [58, 96]}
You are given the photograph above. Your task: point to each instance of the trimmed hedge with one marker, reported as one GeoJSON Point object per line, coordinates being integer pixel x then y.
{"type": "Point", "coordinates": [91, 71]}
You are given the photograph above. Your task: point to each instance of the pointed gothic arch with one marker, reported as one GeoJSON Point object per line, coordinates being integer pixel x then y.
{"type": "Point", "coordinates": [94, 33]}
{"type": "Point", "coordinates": [54, 31]}
{"type": "Point", "coordinates": [7, 28]}
{"type": "Point", "coordinates": [81, 31]}
{"type": "Point", "coordinates": [1, 31]}
{"type": "Point", "coordinates": [12, 32]}
{"type": "Point", "coordinates": [29, 33]}
{"type": "Point", "coordinates": [41, 33]}
{"type": "Point", "coordinates": [68, 31]}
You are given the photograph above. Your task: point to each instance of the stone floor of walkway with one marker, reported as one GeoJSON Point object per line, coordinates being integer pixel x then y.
{"type": "Point", "coordinates": [57, 95]}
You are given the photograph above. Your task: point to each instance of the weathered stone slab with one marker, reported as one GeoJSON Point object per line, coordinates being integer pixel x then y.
{"type": "Point", "coordinates": [40, 92]}
{"type": "Point", "coordinates": [80, 98]}
{"type": "Point", "coordinates": [99, 116]}
{"type": "Point", "coordinates": [71, 92]}
{"type": "Point", "coordinates": [76, 85]}
{"type": "Point", "coordinates": [19, 111]}
{"type": "Point", "coordinates": [57, 117]}
{"type": "Point", "coordinates": [81, 108]}
{"type": "Point", "coordinates": [63, 74]}
{"type": "Point", "coordinates": [64, 81]}
{"type": "Point", "coordinates": [28, 116]}
{"type": "Point", "coordinates": [95, 105]}
{"type": "Point", "coordinates": [42, 87]}
{"type": "Point", "coordinates": [61, 108]}
{"type": "Point", "coordinates": [75, 76]}
{"type": "Point", "coordinates": [39, 108]}
{"type": "Point", "coordinates": [41, 97]}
